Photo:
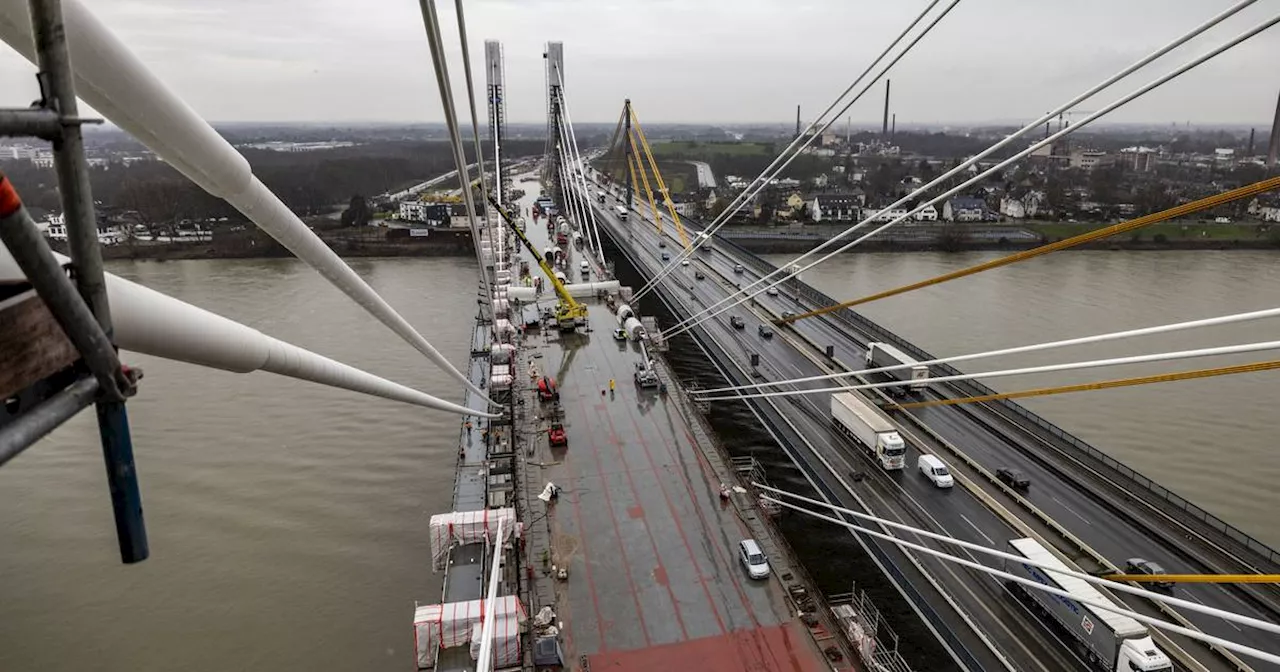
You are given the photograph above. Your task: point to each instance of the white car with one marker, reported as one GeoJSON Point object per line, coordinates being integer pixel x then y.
{"type": "Point", "coordinates": [684, 263]}
{"type": "Point", "coordinates": [753, 559]}
{"type": "Point", "coordinates": [772, 291]}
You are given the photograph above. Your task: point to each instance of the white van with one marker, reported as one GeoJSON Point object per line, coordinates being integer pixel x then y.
{"type": "Point", "coordinates": [586, 269]}
{"type": "Point", "coordinates": [753, 559]}
{"type": "Point", "coordinates": [934, 470]}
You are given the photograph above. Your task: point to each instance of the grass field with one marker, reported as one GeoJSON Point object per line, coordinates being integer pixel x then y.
{"type": "Point", "coordinates": [700, 149]}
{"type": "Point", "coordinates": [1170, 230]}
{"type": "Point", "coordinates": [678, 176]}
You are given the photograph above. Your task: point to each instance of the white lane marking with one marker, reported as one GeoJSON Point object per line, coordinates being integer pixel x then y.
{"type": "Point", "coordinates": [976, 529]}
{"type": "Point", "coordinates": [1192, 596]}
{"type": "Point", "coordinates": [1073, 511]}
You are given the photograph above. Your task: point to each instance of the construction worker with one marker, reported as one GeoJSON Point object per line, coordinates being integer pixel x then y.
{"type": "Point", "coordinates": [611, 385]}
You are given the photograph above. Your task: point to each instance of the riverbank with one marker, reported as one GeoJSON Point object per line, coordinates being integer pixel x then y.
{"type": "Point", "coordinates": [255, 244]}
{"type": "Point", "coordinates": [456, 242]}
{"type": "Point", "coordinates": [1178, 235]}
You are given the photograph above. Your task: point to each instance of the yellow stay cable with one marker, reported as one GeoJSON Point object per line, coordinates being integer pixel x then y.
{"type": "Point", "coordinates": [1102, 385]}
{"type": "Point", "coordinates": [1195, 578]}
{"type": "Point", "coordinates": [1123, 227]}
{"type": "Point", "coordinates": [666, 195]}
{"type": "Point", "coordinates": [635, 167]}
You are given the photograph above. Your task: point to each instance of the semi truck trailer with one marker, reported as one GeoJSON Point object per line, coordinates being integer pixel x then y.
{"type": "Point", "coordinates": [1109, 641]}
{"type": "Point", "coordinates": [856, 417]}
{"type": "Point", "coordinates": [915, 376]}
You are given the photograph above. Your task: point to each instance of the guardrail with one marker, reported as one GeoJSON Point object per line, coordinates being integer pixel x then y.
{"type": "Point", "coordinates": [974, 388]}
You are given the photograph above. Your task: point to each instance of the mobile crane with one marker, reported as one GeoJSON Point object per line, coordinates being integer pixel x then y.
{"type": "Point", "coordinates": [569, 313]}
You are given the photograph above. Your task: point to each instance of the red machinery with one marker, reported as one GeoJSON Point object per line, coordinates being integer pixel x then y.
{"type": "Point", "coordinates": [556, 435]}
{"type": "Point", "coordinates": [547, 389]}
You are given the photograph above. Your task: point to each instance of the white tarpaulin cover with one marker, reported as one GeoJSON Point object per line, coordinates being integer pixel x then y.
{"type": "Point", "coordinates": [506, 642]}
{"type": "Point", "coordinates": [468, 527]}
{"type": "Point", "coordinates": [444, 626]}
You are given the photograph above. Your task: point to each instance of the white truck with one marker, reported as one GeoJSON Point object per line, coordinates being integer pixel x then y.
{"type": "Point", "coordinates": [856, 417]}
{"type": "Point", "coordinates": [1110, 641]}
{"type": "Point", "coordinates": [620, 211]}
{"type": "Point", "coordinates": [913, 374]}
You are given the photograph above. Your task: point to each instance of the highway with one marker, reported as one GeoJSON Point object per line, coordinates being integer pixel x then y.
{"type": "Point", "coordinates": [1109, 524]}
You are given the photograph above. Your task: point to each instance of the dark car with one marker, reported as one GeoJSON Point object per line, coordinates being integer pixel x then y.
{"type": "Point", "coordinates": [737, 322]}
{"type": "Point", "coordinates": [1013, 478]}
{"type": "Point", "coordinates": [786, 314]}
{"type": "Point", "coordinates": [699, 275]}
{"type": "Point", "coordinates": [1140, 566]}
{"type": "Point", "coordinates": [764, 331]}
{"type": "Point", "coordinates": [662, 243]}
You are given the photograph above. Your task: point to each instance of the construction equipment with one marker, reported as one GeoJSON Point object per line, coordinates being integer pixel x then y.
{"type": "Point", "coordinates": [569, 314]}
{"type": "Point", "coordinates": [556, 435]}
{"type": "Point", "coordinates": [547, 389]}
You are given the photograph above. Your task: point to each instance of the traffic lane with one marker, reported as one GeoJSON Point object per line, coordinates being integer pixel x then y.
{"type": "Point", "coordinates": [988, 605]}
{"type": "Point", "coordinates": [1115, 541]}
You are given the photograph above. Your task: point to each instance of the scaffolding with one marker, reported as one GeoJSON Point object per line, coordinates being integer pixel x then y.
{"type": "Point", "coordinates": [57, 355]}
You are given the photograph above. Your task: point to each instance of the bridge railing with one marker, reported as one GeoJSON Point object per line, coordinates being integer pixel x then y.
{"type": "Point", "coordinates": [860, 323]}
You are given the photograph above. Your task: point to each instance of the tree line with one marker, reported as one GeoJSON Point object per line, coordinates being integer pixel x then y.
{"type": "Point", "coordinates": [310, 183]}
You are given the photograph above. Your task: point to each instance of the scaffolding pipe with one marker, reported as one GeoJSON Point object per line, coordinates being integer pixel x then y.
{"type": "Point", "coordinates": [110, 78]}
{"type": "Point", "coordinates": [484, 662]}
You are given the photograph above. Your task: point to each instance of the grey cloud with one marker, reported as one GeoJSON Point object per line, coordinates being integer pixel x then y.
{"type": "Point", "coordinates": [729, 60]}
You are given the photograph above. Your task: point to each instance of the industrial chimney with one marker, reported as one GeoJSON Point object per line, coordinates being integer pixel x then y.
{"type": "Point", "coordinates": [1275, 138]}
{"type": "Point", "coordinates": [797, 121]}
{"type": "Point", "coordinates": [884, 128]}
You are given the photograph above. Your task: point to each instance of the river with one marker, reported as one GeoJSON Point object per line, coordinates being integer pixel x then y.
{"type": "Point", "coordinates": [288, 521]}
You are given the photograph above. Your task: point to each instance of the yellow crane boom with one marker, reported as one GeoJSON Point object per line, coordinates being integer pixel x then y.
{"type": "Point", "coordinates": [569, 311]}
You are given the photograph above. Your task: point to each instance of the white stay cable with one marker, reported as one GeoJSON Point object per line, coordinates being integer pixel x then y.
{"type": "Point", "coordinates": [1048, 345]}
{"type": "Point", "coordinates": [1104, 606]}
{"type": "Point", "coordinates": [1024, 130]}
{"type": "Point", "coordinates": [586, 212]}
{"type": "Point", "coordinates": [581, 166]}
{"type": "Point", "coordinates": [1118, 586]}
{"type": "Point", "coordinates": [1069, 366]}
{"type": "Point", "coordinates": [806, 138]}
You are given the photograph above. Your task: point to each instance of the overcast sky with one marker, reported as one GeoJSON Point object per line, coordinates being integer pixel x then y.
{"type": "Point", "coordinates": [712, 61]}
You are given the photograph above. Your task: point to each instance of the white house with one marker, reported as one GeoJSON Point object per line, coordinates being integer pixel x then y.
{"type": "Point", "coordinates": [413, 211]}
{"type": "Point", "coordinates": [927, 214]}
{"type": "Point", "coordinates": [1022, 207]}
{"type": "Point", "coordinates": [1268, 211]}
{"type": "Point", "coordinates": [890, 215]}
{"type": "Point", "coordinates": [963, 209]}
{"type": "Point", "coordinates": [834, 207]}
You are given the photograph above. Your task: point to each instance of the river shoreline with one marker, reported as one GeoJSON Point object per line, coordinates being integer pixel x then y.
{"type": "Point", "coordinates": [451, 243]}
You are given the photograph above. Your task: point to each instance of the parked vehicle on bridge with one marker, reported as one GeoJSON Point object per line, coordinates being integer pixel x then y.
{"type": "Point", "coordinates": [855, 416]}
{"type": "Point", "coordinates": [772, 291]}
{"type": "Point", "coordinates": [764, 331]}
{"type": "Point", "coordinates": [699, 275]}
{"type": "Point", "coordinates": [934, 470]}
{"type": "Point", "coordinates": [662, 242]}
{"type": "Point", "coordinates": [1110, 641]}
{"type": "Point", "coordinates": [737, 322]}
{"type": "Point", "coordinates": [739, 269]}
{"type": "Point", "coordinates": [585, 267]}
{"type": "Point", "coordinates": [913, 374]}
{"type": "Point", "coordinates": [1140, 566]}
{"type": "Point", "coordinates": [753, 559]}
{"type": "Point", "coordinates": [600, 195]}
{"type": "Point", "coordinates": [684, 262]}
{"type": "Point", "coordinates": [1013, 478]}
{"type": "Point", "coordinates": [621, 211]}
{"type": "Point", "coordinates": [666, 256]}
